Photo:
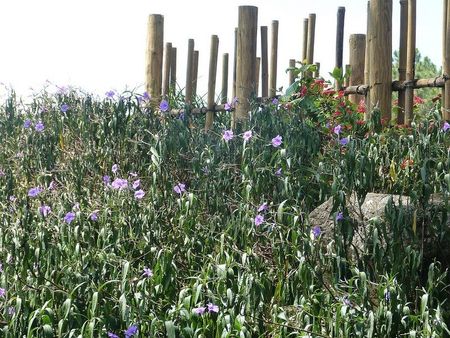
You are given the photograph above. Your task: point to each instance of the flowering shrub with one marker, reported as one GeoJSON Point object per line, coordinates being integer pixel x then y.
{"type": "Point", "coordinates": [121, 220]}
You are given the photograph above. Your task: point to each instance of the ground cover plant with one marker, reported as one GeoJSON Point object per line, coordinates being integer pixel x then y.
{"type": "Point", "coordinates": [119, 219]}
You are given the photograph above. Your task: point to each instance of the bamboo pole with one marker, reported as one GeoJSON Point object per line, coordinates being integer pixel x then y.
{"type": "Point", "coordinates": [190, 58]}
{"type": "Point", "coordinates": [381, 57]}
{"type": "Point", "coordinates": [367, 62]}
{"type": "Point", "coordinates": [264, 63]}
{"type": "Point", "coordinates": [195, 73]}
{"type": "Point", "coordinates": [357, 47]}
{"type": "Point", "coordinates": [444, 44]}
{"type": "Point", "coordinates": [446, 112]}
{"type": "Point", "coordinates": [212, 81]}
{"type": "Point", "coordinates": [245, 70]}
{"type": "Point", "coordinates": [257, 68]}
{"type": "Point", "coordinates": [224, 91]}
{"type": "Point", "coordinates": [291, 71]}
{"type": "Point", "coordinates": [154, 55]}
{"type": "Point", "coordinates": [167, 61]}
{"type": "Point", "coordinates": [305, 40]}
{"type": "Point", "coordinates": [311, 35]}
{"type": "Point", "coordinates": [402, 51]}
{"type": "Point", "coordinates": [273, 59]}
{"type": "Point", "coordinates": [340, 36]}
{"type": "Point", "coordinates": [410, 61]}
{"type": "Point", "coordinates": [235, 62]}
{"type": "Point", "coordinates": [173, 68]}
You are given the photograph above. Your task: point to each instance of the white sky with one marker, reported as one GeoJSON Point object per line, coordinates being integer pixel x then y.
{"type": "Point", "coordinates": [99, 45]}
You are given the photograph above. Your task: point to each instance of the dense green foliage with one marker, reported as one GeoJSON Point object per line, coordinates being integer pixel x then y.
{"type": "Point", "coordinates": [182, 252]}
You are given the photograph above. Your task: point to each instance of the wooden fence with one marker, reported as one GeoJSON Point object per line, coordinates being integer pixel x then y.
{"type": "Point", "coordinates": [370, 62]}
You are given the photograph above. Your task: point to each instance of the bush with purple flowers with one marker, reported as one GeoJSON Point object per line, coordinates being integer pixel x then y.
{"type": "Point", "coordinates": [121, 221]}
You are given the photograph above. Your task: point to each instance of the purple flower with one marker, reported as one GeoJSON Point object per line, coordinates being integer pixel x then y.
{"type": "Point", "coordinates": [119, 184]}
{"type": "Point", "coordinates": [337, 129]}
{"type": "Point", "coordinates": [278, 172]}
{"type": "Point", "coordinates": [44, 210]}
{"type": "Point", "coordinates": [344, 141]}
{"type": "Point", "coordinates": [115, 168]}
{"type": "Point", "coordinates": [234, 101]}
{"type": "Point", "coordinates": [164, 105]}
{"type": "Point", "coordinates": [199, 310]}
{"type": "Point", "coordinates": [179, 188]}
{"type": "Point", "coordinates": [339, 216]}
{"type": "Point", "coordinates": [112, 335]}
{"type": "Point", "coordinates": [247, 135]}
{"type": "Point", "coordinates": [139, 194]}
{"type": "Point", "coordinates": [346, 301]}
{"type": "Point", "coordinates": [259, 219]}
{"type": "Point", "coordinates": [110, 94]}
{"type": "Point", "coordinates": [52, 185]}
{"type": "Point", "coordinates": [33, 192]}
{"type": "Point", "coordinates": [212, 308]}
{"type": "Point", "coordinates": [39, 127]}
{"type": "Point", "coordinates": [131, 331]}
{"type": "Point", "coordinates": [64, 107]}
{"type": "Point", "coordinates": [263, 207]}
{"type": "Point", "coordinates": [2, 292]}
{"type": "Point", "coordinates": [27, 123]}
{"type": "Point", "coordinates": [316, 231]}
{"type": "Point", "coordinates": [94, 215]}
{"type": "Point", "coordinates": [445, 127]}
{"type": "Point", "coordinates": [136, 184]}
{"type": "Point", "coordinates": [11, 311]}
{"type": "Point", "coordinates": [276, 141]}
{"type": "Point", "coordinates": [228, 135]}
{"type": "Point", "coordinates": [70, 216]}
{"type": "Point", "coordinates": [12, 198]}
{"type": "Point", "coordinates": [275, 101]}
{"type": "Point", "coordinates": [228, 106]}
{"type": "Point", "coordinates": [147, 272]}
{"type": "Point", "coordinates": [146, 96]}
{"type": "Point", "coordinates": [106, 179]}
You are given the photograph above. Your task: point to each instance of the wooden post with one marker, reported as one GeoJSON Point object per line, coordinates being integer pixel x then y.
{"type": "Point", "coordinates": [264, 63]}
{"type": "Point", "coordinates": [317, 72]}
{"type": "Point", "coordinates": [444, 46]}
{"type": "Point", "coordinates": [305, 40]}
{"type": "Point", "coordinates": [257, 68]}
{"type": "Point", "coordinates": [357, 47]}
{"type": "Point", "coordinates": [291, 72]}
{"type": "Point", "coordinates": [367, 62]}
{"type": "Point", "coordinates": [235, 63]}
{"type": "Point", "coordinates": [446, 112]}
{"type": "Point", "coordinates": [167, 62]}
{"type": "Point", "coordinates": [224, 92]}
{"type": "Point", "coordinates": [190, 58]}
{"type": "Point", "coordinates": [340, 37]}
{"type": "Point", "coordinates": [311, 35]}
{"type": "Point", "coordinates": [381, 57]}
{"type": "Point", "coordinates": [194, 73]}
{"type": "Point", "coordinates": [410, 61]}
{"type": "Point", "coordinates": [173, 68]}
{"type": "Point", "coordinates": [402, 51]}
{"type": "Point", "coordinates": [273, 60]}
{"type": "Point", "coordinates": [245, 70]}
{"type": "Point", "coordinates": [154, 55]}
{"type": "Point", "coordinates": [212, 81]}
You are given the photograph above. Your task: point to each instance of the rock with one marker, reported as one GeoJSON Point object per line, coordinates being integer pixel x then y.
{"type": "Point", "coordinates": [372, 210]}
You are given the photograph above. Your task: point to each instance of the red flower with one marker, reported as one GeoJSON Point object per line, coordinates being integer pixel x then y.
{"type": "Point", "coordinates": [361, 107]}
{"type": "Point", "coordinates": [418, 100]}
